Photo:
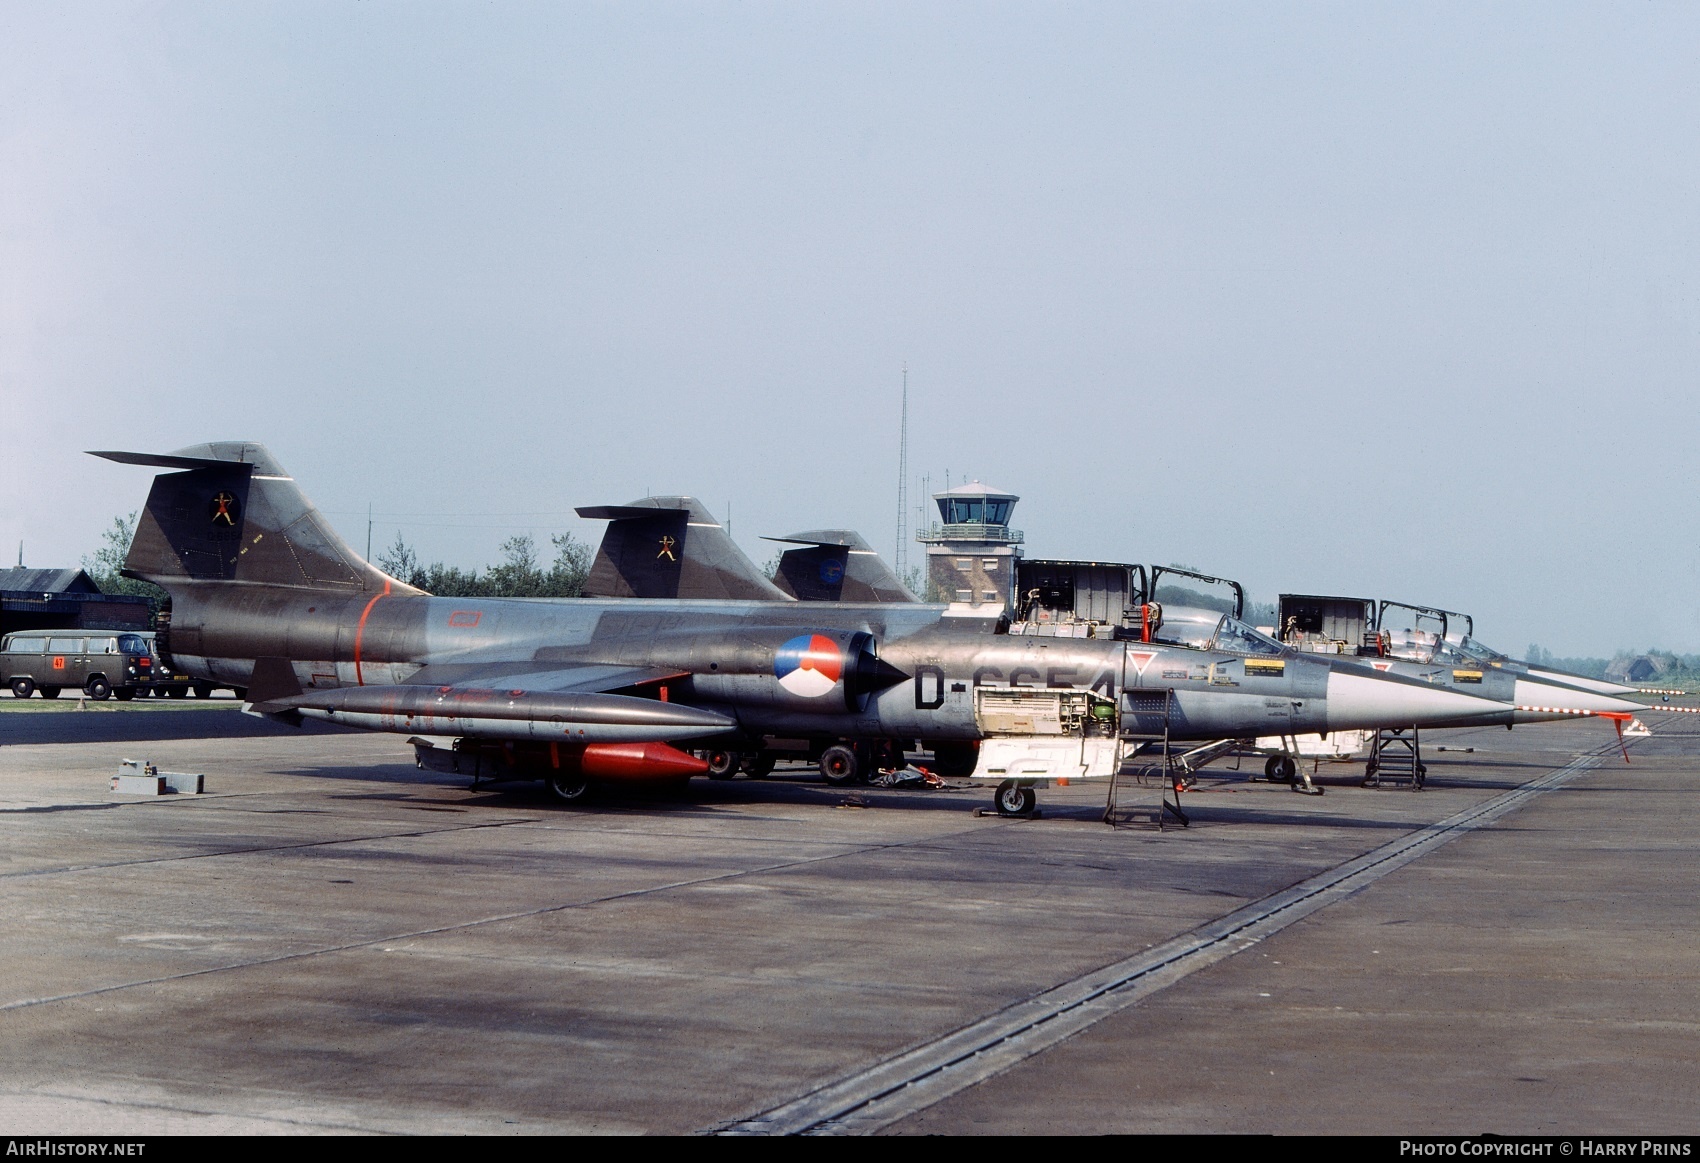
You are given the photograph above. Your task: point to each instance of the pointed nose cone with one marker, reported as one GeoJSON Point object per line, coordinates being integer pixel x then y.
{"type": "Point", "coordinates": [1361, 699]}
{"type": "Point", "coordinates": [1598, 686]}
{"type": "Point", "coordinates": [1541, 702]}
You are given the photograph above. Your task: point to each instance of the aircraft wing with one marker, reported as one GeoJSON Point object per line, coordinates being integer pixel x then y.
{"type": "Point", "coordinates": [547, 702]}
{"type": "Point", "coordinates": [547, 677]}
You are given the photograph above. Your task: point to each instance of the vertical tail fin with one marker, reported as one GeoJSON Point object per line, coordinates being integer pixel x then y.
{"type": "Point", "coordinates": [231, 513]}
{"type": "Point", "coordinates": [671, 547]}
{"type": "Point", "coordinates": [837, 565]}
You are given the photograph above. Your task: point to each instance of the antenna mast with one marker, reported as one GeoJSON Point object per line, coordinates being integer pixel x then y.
{"type": "Point", "coordinates": [900, 558]}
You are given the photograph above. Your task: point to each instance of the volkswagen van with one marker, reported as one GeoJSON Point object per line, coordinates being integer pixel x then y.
{"type": "Point", "coordinates": [100, 663]}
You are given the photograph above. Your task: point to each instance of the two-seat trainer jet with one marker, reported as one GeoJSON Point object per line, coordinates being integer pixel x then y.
{"type": "Point", "coordinates": [265, 596]}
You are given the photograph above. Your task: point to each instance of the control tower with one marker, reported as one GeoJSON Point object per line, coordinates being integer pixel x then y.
{"type": "Point", "coordinates": [971, 553]}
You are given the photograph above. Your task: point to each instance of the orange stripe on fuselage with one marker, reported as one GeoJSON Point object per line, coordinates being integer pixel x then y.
{"type": "Point", "coordinates": [360, 632]}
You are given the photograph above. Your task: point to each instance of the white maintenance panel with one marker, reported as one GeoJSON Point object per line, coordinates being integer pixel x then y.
{"type": "Point", "coordinates": [1046, 757]}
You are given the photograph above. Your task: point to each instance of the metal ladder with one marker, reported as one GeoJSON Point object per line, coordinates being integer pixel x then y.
{"type": "Point", "coordinates": [1397, 759]}
{"type": "Point", "coordinates": [1190, 762]}
{"type": "Point", "coordinates": [1145, 733]}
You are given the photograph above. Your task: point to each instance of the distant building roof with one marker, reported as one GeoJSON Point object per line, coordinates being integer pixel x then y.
{"type": "Point", "coordinates": [47, 581]}
{"type": "Point", "coordinates": [977, 489]}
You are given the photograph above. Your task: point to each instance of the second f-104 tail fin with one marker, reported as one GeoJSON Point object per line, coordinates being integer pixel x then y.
{"type": "Point", "coordinates": [671, 547]}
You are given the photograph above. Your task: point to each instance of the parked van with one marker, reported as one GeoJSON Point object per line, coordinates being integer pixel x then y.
{"type": "Point", "coordinates": [97, 662]}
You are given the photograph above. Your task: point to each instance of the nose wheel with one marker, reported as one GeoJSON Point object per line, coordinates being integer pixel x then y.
{"type": "Point", "coordinates": [1014, 799]}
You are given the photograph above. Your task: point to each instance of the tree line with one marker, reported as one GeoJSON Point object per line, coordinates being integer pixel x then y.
{"type": "Point", "coordinates": [519, 574]}
{"type": "Point", "coordinates": [1669, 664]}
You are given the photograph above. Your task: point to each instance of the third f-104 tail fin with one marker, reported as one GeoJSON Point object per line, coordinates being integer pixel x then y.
{"type": "Point", "coordinates": [837, 565]}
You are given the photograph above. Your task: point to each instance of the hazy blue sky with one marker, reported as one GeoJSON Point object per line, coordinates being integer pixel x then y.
{"type": "Point", "coordinates": [1399, 300]}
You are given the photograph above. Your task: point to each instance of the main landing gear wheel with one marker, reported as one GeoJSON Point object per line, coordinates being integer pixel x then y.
{"type": "Point", "coordinates": [50, 692]}
{"type": "Point", "coordinates": [1013, 799]}
{"type": "Point", "coordinates": [22, 688]}
{"type": "Point", "coordinates": [760, 765]}
{"type": "Point", "coordinates": [1281, 769]}
{"type": "Point", "coordinates": [203, 690]}
{"type": "Point", "coordinates": [722, 764]}
{"type": "Point", "coordinates": [125, 693]}
{"type": "Point", "coordinates": [569, 789]}
{"type": "Point", "coordinates": [839, 765]}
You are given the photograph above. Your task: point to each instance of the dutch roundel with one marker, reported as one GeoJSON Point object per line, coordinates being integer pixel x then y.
{"type": "Point", "coordinates": [809, 665]}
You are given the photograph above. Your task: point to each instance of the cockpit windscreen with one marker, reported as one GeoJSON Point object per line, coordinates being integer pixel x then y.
{"type": "Point", "coordinates": [1235, 636]}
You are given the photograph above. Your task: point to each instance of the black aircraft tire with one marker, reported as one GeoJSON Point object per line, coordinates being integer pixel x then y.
{"type": "Point", "coordinates": [124, 693]}
{"type": "Point", "coordinates": [50, 692]}
{"type": "Point", "coordinates": [839, 765]}
{"type": "Point", "coordinates": [569, 789]}
{"type": "Point", "coordinates": [1014, 800]}
{"type": "Point", "coordinates": [1286, 770]}
{"type": "Point", "coordinates": [722, 764]}
{"type": "Point", "coordinates": [760, 765]}
{"type": "Point", "coordinates": [98, 689]}
{"type": "Point", "coordinates": [22, 688]}
{"type": "Point", "coordinates": [1269, 766]}
{"type": "Point", "coordinates": [203, 690]}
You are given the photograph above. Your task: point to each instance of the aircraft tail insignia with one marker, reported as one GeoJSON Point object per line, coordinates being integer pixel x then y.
{"type": "Point", "coordinates": [671, 547]}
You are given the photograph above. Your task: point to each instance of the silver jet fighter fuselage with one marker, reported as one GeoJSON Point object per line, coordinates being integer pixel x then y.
{"type": "Point", "coordinates": [1419, 645]}
{"type": "Point", "coordinates": [267, 597]}
{"type": "Point", "coordinates": [879, 670]}
{"type": "Point", "coordinates": [1522, 697]}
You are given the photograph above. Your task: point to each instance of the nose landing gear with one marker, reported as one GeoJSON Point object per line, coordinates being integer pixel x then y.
{"type": "Point", "coordinates": [1015, 798]}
